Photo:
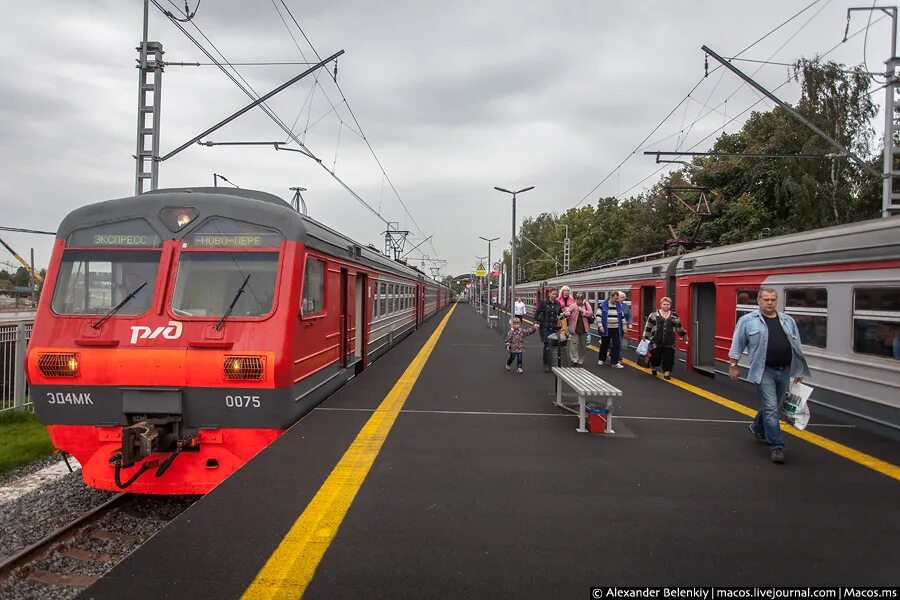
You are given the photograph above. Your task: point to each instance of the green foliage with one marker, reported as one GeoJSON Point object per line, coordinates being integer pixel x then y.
{"type": "Point", "coordinates": [750, 198]}
{"type": "Point", "coordinates": [22, 440]}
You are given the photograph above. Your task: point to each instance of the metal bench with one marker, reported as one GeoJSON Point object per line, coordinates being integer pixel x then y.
{"type": "Point", "coordinates": [586, 385]}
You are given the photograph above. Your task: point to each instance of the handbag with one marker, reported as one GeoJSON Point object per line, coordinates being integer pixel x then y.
{"type": "Point", "coordinates": [643, 347]}
{"type": "Point", "coordinates": [590, 319]}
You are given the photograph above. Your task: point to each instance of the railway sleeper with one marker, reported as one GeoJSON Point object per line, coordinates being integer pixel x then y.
{"type": "Point", "coordinates": [50, 578]}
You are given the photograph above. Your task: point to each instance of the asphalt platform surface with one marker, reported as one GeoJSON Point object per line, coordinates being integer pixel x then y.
{"type": "Point", "coordinates": [483, 489]}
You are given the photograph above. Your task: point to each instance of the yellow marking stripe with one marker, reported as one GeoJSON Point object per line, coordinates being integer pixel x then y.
{"type": "Point", "coordinates": [291, 567]}
{"type": "Point", "coordinates": [861, 458]}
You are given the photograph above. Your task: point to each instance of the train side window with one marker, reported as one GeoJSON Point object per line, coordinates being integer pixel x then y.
{"type": "Point", "coordinates": [876, 322]}
{"type": "Point", "coordinates": [809, 308]}
{"type": "Point", "coordinates": [313, 288]}
{"type": "Point", "coordinates": [746, 302]}
{"type": "Point", "coordinates": [382, 299]}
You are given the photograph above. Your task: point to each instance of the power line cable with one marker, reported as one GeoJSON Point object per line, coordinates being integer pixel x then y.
{"type": "Point", "coordinates": [359, 126]}
{"type": "Point", "coordinates": [252, 94]}
{"type": "Point", "coordinates": [638, 147]}
{"type": "Point", "coordinates": [734, 118]}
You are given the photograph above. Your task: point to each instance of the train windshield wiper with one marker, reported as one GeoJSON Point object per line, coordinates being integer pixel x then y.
{"type": "Point", "coordinates": [115, 309]}
{"type": "Point", "coordinates": [233, 302]}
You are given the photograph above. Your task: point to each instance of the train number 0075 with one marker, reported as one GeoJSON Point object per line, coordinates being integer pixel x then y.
{"type": "Point", "coordinates": [242, 401]}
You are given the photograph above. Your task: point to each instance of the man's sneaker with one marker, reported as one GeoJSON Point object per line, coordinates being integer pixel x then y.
{"type": "Point", "coordinates": [519, 371]}
{"type": "Point", "coordinates": [760, 437]}
{"type": "Point", "coordinates": [601, 363]}
{"type": "Point", "coordinates": [618, 366]}
{"type": "Point", "coordinates": [507, 367]}
{"type": "Point", "coordinates": [776, 455]}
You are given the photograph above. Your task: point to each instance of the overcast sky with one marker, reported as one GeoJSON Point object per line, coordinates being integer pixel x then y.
{"type": "Point", "coordinates": [454, 97]}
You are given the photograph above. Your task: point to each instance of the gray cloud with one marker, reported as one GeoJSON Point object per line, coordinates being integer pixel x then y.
{"type": "Point", "coordinates": [455, 98]}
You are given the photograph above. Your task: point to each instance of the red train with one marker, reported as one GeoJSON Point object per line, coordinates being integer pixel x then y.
{"type": "Point", "coordinates": [183, 330]}
{"type": "Point", "coordinates": [841, 284]}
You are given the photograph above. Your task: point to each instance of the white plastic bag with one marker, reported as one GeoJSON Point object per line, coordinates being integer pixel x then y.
{"type": "Point", "coordinates": [643, 347]}
{"type": "Point", "coordinates": [795, 407]}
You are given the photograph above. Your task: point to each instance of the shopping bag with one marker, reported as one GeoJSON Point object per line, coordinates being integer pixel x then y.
{"type": "Point", "coordinates": [795, 407]}
{"type": "Point", "coordinates": [643, 347]}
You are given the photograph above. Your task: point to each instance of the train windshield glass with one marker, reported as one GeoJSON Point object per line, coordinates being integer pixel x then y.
{"type": "Point", "coordinates": [207, 283]}
{"type": "Point", "coordinates": [92, 282]}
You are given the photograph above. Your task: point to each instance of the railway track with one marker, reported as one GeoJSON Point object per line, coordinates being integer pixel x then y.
{"type": "Point", "coordinates": [74, 556]}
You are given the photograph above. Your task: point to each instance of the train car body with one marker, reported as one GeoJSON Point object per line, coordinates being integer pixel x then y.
{"type": "Point", "coordinates": [841, 284]}
{"type": "Point", "coordinates": [182, 331]}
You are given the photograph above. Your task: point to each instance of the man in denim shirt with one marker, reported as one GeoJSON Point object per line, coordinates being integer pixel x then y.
{"type": "Point", "coordinates": [773, 343]}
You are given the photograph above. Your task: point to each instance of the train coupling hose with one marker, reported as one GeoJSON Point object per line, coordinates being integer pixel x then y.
{"type": "Point", "coordinates": [180, 445]}
{"type": "Point", "coordinates": [116, 460]}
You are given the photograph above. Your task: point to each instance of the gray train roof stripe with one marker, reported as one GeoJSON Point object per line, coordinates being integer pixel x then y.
{"type": "Point", "coordinates": [874, 240]}
{"type": "Point", "coordinates": [252, 206]}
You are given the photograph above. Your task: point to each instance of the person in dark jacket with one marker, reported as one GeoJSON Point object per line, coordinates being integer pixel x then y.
{"type": "Point", "coordinates": [547, 317]}
{"type": "Point", "coordinates": [661, 327]}
{"type": "Point", "coordinates": [515, 343]}
{"type": "Point", "coordinates": [611, 328]}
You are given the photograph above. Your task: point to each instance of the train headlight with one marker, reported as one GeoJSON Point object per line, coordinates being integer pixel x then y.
{"type": "Point", "coordinates": [244, 367]}
{"type": "Point", "coordinates": [177, 219]}
{"type": "Point", "coordinates": [58, 365]}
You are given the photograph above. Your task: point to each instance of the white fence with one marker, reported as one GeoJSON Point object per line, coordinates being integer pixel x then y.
{"type": "Point", "coordinates": [14, 338]}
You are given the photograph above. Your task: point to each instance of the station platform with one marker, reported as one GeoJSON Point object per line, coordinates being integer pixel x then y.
{"type": "Point", "coordinates": [443, 475]}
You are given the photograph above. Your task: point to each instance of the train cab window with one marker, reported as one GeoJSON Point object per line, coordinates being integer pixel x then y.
{"type": "Point", "coordinates": [208, 282]}
{"type": "Point", "coordinates": [746, 302]}
{"type": "Point", "coordinates": [93, 281]}
{"type": "Point", "coordinates": [876, 322]}
{"type": "Point", "coordinates": [809, 308]}
{"type": "Point", "coordinates": [313, 302]}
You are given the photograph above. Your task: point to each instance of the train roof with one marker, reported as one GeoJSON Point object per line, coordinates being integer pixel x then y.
{"type": "Point", "coordinates": [878, 239]}
{"type": "Point", "coordinates": [260, 208]}
{"type": "Point", "coordinates": [865, 241]}
{"type": "Point", "coordinates": [617, 273]}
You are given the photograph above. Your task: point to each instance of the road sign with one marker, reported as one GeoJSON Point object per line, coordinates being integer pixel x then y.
{"type": "Point", "coordinates": [480, 271]}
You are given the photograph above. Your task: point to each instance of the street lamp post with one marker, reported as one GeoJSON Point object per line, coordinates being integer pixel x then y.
{"type": "Point", "coordinates": [489, 266]}
{"type": "Point", "coordinates": [512, 287]}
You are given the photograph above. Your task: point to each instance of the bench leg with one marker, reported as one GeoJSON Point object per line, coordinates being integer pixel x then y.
{"type": "Point", "coordinates": [609, 428]}
{"type": "Point", "coordinates": [558, 392]}
{"type": "Point", "coordinates": [581, 427]}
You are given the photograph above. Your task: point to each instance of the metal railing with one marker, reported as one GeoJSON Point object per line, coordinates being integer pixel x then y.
{"type": "Point", "coordinates": [14, 338]}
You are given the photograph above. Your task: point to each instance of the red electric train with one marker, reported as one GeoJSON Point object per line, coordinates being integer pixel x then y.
{"type": "Point", "coordinates": [182, 331]}
{"type": "Point", "coordinates": [841, 284]}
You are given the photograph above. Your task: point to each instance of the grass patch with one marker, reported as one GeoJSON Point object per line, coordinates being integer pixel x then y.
{"type": "Point", "coordinates": [22, 440]}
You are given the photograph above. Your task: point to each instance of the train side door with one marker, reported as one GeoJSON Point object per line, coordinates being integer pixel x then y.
{"type": "Point", "coordinates": [703, 334]}
{"type": "Point", "coordinates": [360, 333]}
{"type": "Point", "coordinates": [344, 319]}
{"type": "Point", "coordinates": [648, 305]}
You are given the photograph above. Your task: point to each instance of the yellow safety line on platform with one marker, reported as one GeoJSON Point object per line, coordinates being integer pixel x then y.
{"type": "Point", "coordinates": [861, 458]}
{"type": "Point", "coordinates": [292, 565]}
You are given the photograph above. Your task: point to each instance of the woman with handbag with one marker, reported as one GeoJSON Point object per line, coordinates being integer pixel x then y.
{"type": "Point", "coordinates": [548, 317]}
{"type": "Point", "coordinates": [578, 322]}
{"type": "Point", "coordinates": [660, 330]}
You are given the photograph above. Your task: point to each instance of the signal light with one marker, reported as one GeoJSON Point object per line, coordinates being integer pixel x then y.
{"type": "Point", "coordinates": [58, 365]}
{"type": "Point", "coordinates": [244, 367]}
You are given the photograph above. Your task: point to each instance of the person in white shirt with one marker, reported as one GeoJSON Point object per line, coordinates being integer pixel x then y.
{"type": "Point", "coordinates": [519, 308]}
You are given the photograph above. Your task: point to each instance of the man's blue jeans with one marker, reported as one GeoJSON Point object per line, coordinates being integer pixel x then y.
{"type": "Point", "coordinates": [770, 391]}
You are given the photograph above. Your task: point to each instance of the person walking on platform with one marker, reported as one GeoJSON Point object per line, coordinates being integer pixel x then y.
{"type": "Point", "coordinates": [578, 315]}
{"type": "Point", "coordinates": [661, 327]}
{"type": "Point", "coordinates": [612, 325]}
{"type": "Point", "coordinates": [565, 297]}
{"type": "Point", "coordinates": [772, 341]}
{"type": "Point", "coordinates": [626, 308]}
{"type": "Point", "coordinates": [515, 343]}
{"type": "Point", "coordinates": [547, 317]}
{"type": "Point", "coordinates": [519, 308]}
